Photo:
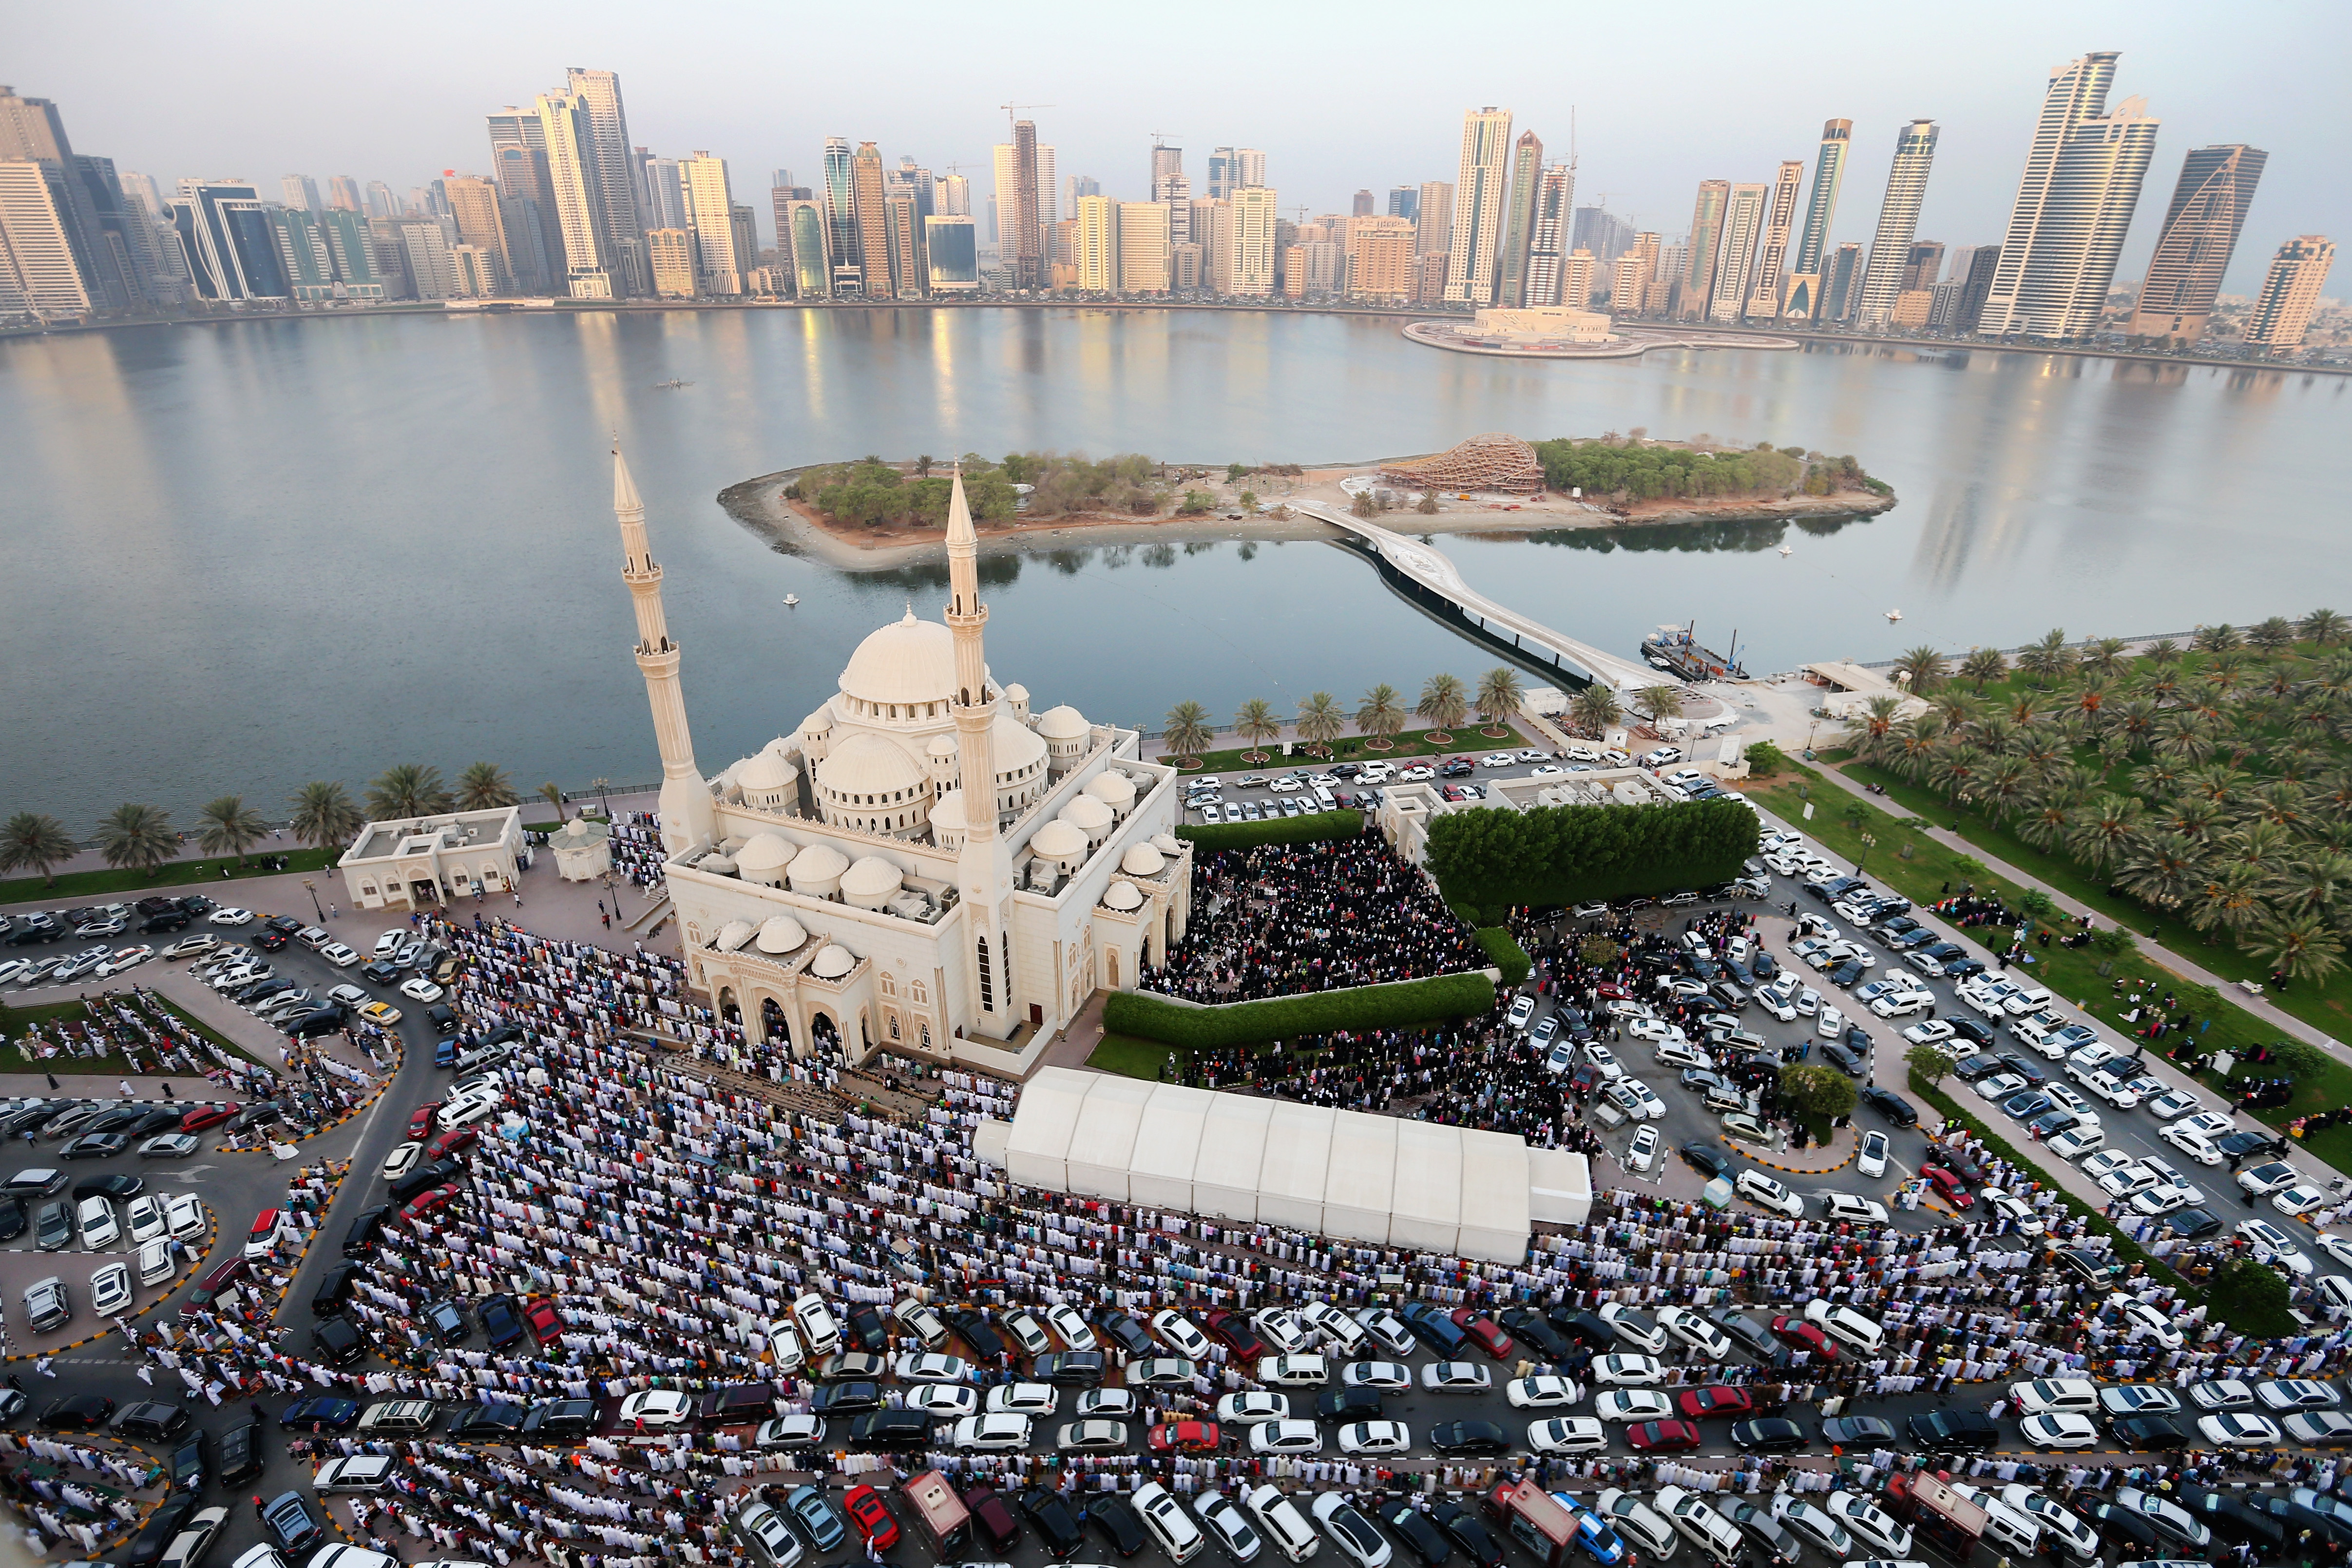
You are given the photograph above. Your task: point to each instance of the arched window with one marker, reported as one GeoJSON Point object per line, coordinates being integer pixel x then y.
{"type": "Point", "coordinates": [915, 990]}
{"type": "Point", "coordinates": [987, 981]}
{"type": "Point", "coordinates": [889, 986]}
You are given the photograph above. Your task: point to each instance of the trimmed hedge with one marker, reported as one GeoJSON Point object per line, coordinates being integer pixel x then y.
{"type": "Point", "coordinates": [1505, 950]}
{"type": "Point", "coordinates": [1194, 1026]}
{"type": "Point", "coordinates": [1570, 854]}
{"type": "Point", "coordinates": [1311, 829]}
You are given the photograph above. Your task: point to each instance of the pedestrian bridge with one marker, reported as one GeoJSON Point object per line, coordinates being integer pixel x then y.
{"type": "Point", "coordinates": [1429, 577]}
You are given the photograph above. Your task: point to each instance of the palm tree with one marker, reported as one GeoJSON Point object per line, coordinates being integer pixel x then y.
{"type": "Point", "coordinates": [34, 841]}
{"type": "Point", "coordinates": [1188, 733]}
{"type": "Point", "coordinates": [1595, 709]}
{"type": "Point", "coordinates": [1445, 703]}
{"type": "Point", "coordinates": [324, 815]}
{"type": "Point", "coordinates": [484, 787]}
{"type": "Point", "coordinates": [2105, 656]}
{"type": "Point", "coordinates": [2105, 831]}
{"type": "Point", "coordinates": [1916, 743]}
{"type": "Point", "coordinates": [1320, 720]}
{"type": "Point", "coordinates": [2228, 897]}
{"type": "Point", "coordinates": [1956, 769]}
{"type": "Point", "coordinates": [2283, 802]}
{"type": "Point", "coordinates": [2006, 787]}
{"type": "Point", "coordinates": [408, 789]}
{"type": "Point", "coordinates": [552, 793]}
{"type": "Point", "coordinates": [2048, 816]}
{"type": "Point", "coordinates": [1984, 665]}
{"type": "Point", "coordinates": [2199, 820]}
{"type": "Point", "coordinates": [1660, 703]}
{"type": "Point", "coordinates": [2216, 639]}
{"type": "Point", "coordinates": [230, 828]}
{"type": "Point", "coordinates": [2048, 659]}
{"type": "Point", "coordinates": [1381, 715]}
{"type": "Point", "coordinates": [2325, 628]}
{"type": "Point", "coordinates": [2264, 846]}
{"type": "Point", "coordinates": [2300, 947]}
{"type": "Point", "coordinates": [2162, 869]}
{"type": "Point", "coordinates": [1878, 719]}
{"type": "Point", "coordinates": [2272, 636]}
{"type": "Point", "coordinates": [1255, 723]}
{"type": "Point", "coordinates": [1920, 668]}
{"type": "Point", "coordinates": [139, 838]}
{"type": "Point", "coordinates": [1499, 694]}
{"type": "Point", "coordinates": [2314, 883]}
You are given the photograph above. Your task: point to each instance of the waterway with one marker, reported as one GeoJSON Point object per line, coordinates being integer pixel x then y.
{"type": "Point", "coordinates": [247, 555]}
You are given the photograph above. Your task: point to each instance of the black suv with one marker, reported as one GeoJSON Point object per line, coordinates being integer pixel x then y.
{"type": "Point", "coordinates": [335, 1289]}
{"type": "Point", "coordinates": [155, 1422]}
{"type": "Point", "coordinates": [365, 1227]}
{"type": "Point", "coordinates": [192, 1463]}
{"type": "Point", "coordinates": [1891, 1105]}
{"type": "Point", "coordinates": [1953, 1431]}
{"type": "Point", "coordinates": [890, 1429]}
{"type": "Point", "coordinates": [1048, 1513]}
{"type": "Point", "coordinates": [560, 1418]}
{"type": "Point", "coordinates": [1127, 1330]}
{"type": "Point", "coordinates": [241, 1457]}
{"type": "Point", "coordinates": [1070, 1368]}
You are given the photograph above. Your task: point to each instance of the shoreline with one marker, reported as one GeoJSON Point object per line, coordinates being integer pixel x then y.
{"type": "Point", "coordinates": [758, 504]}
{"type": "Point", "coordinates": [474, 310]}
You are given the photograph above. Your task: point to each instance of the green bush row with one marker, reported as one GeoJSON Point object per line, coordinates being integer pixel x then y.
{"type": "Point", "coordinates": [1197, 1027]}
{"type": "Point", "coordinates": [1311, 829]}
{"type": "Point", "coordinates": [1567, 855]}
{"type": "Point", "coordinates": [1504, 949]}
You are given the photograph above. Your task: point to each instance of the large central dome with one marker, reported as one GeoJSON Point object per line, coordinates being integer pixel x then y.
{"type": "Point", "coordinates": [908, 661]}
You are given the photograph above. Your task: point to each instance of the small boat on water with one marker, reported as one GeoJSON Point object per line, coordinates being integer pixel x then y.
{"type": "Point", "coordinates": [1788, 550]}
{"type": "Point", "coordinates": [1894, 616]}
{"type": "Point", "coordinates": [1675, 650]}
{"type": "Point", "coordinates": [671, 385]}
{"type": "Point", "coordinates": [790, 600]}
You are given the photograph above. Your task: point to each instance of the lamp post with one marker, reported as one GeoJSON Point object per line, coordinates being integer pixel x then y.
{"type": "Point", "coordinates": [612, 891]}
{"type": "Point", "coordinates": [312, 889]}
{"type": "Point", "coordinates": [1869, 842]}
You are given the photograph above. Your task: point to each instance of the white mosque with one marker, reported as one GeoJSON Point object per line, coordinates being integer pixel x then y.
{"type": "Point", "coordinates": [838, 884]}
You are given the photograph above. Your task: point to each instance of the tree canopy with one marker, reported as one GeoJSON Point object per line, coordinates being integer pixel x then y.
{"type": "Point", "coordinates": [1649, 473]}
{"type": "Point", "coordinates": [1564, 854]}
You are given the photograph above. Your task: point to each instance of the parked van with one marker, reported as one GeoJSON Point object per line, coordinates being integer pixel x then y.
{"type": "Point", "coordinates": [2075, 1142]}
{"type": "Point", "coordinates": [940, 1516]}
{"type": "Point", "coordinates": [2010, 1528]}
{"type": "Point", "coordinates": [2050, 1396]}
{"type": "Point", "coordinates": [156, 1261]}
{"type": "Point", "coordinates": [1167, 1522]}
{"type": "Point", "coordinates": [1283, 1523]}
{"type": "Point", "coordinates": [1844, 1324]}
{"type": "Point", "coordinates": [921, 1322]}
{"type": "Point", "coordinates": [1696, 1521]}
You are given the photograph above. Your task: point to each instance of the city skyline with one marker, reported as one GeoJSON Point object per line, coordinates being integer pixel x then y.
{"type": "Point", "coordinates": [1981, 86]}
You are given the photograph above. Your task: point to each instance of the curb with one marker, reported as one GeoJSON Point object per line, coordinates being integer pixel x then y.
{"type": "Point", "coordinates": [1727, 1141]}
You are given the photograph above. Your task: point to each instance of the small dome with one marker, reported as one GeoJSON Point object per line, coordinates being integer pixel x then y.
{"type": "Point", "coordinates": [818, 723]}
{"type": "Point", "coordinates": [1063, 723]}
{"type": "Point", "coordinates": [781, 933]}
{"type": "Point", "coordinates": [870, 880]}
{"type": "Point", "coordinates": [1113, 790]}
{"type": "Point", "coordinates": [947, 813]}
{"type": "Point", "coordinates": [942, 746]}
{"type": "Point", "coordinates": [1142, 860]}
{"type": "Point", "coordinates": [766, 771]}
{"type": "Point", "coordinates": [1168, 844]}
{"type": "Point", "coordinates": [1059, 840]}
{"type": "Point", "coordinates": [908, 661]}
{"type": "Point", "coordinates": [1016, 693]}
{"type": "Point", "coordinates": [1122, 895]}
{"type": "Point", "coordinates": [1087, 815]}
{"type": "Point", "coordinates": [1013, 747]}
{"type": "Point", "coordinates": [579, 833]}
{"type": "Point", "coordinates": [766, 852]}
{"type": "Point", "coordinates": [832, 962]}
{"type": "Point", "coordinates": [869, 765]}
{"type": "Point", "coordinates": [717, 865]}
{"type": "Point", "coordinates": [733, 934]}
{"type": "Point", "coordinates": [817, 871]}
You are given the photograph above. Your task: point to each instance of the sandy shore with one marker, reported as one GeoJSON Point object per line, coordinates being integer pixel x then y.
{"type": "Point", "coordinates": [760, 505]}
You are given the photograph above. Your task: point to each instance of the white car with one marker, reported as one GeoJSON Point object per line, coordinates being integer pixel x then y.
{"type": "Point", "coordinates": [2173, 1102]}
{"type": "Point", "coordinates": [148, 1221]}
{"type": "Point", "coordinates": [1653, 1029]}
{"type": "Point", "coordinates": [1765, 1193]}
{"type": "Point", "coordinates": [1632, 1327]}
{"type": "Point", "coordinates": [2298, 1394]}
{"type": "Point", "coordinates": [1522, 1013]}
{"type": "Point", "coordinates": [1286, 1437]}
{"type": "Point", "coordinates": [1568, 1435]}
{"type": "Point", "coordinates": [1178, 1331]}
{"type": "Point", "coordinates": [1870, 1159]}
{"type": "Point", "coordinates": [1830, 1024]}
{"type": "Point", "coordinates": [189, 947]}
{"type": "Point", "coordinates": [2196, 1145]}
{"type": "Point", "coordinates": [1867, 1520]}
{"type": "Point", "coordinates": [2106, 1162]}
{"type": "Point", "coordinates": [2013, 1208]}
{"type": "Point", "coordinates": [1252, 1406]}
{"type": "Point", "coordinates": [1779, 1000]}
{"type": "Point", "coordinates": [417, 988]}
{"type": "Point", "coordinates": [1998, 1088]}
{"type": "Point", "coordinates": [1543, 1392]}
{"type": "Point", "coordinates": [914, 1366]}
{"type": "Point", "coordinates": [109, 1289]}
{"type": "Point", "coordinates": [1286, 1371]}
{"type": "Point", "coordinates": [185, 1212]}
{"type": "Point", "coordinates": [822, 1331]}
{"type": "Point", "coordinates": [231, 918]}
{"type": "Point", "coordinates": [1375, 1438]}
{"type": "Point", "coordinates": [1637, 1100]}
{"type": "Point", "coordinates": [1633, 1404]}
{"type": "Point", "coordinates": [402, 1160]}
{"type": "Point", "coordinates": [657, 1408]}
{"type": "Point", "coordinates": [983, 1434]}
{"type": "Point", "coordinates": [944, 1401]}
{"type": "Point", "coordinates": [2337, 1247]}
{"type": "Point", "coordinates": [1844, 1206]}
{"type": "Point", "coordinates": [1628, 1371]}
{"type": "Point", "coordinates": [1023, 1399]}
{"type": "Point", "coordinates": [1928, 1032]}
{"type": "Point", "coordinates": [2272, 1245]}
{"type": "Point", "coordinates": [1814, 1526]}
{"type": "Point", "coordinates": [1643, 1152]}
{"type": "Point", "coordinates": [1388, 1377]}
{"type": "Point", "coordinates": [2054, 1518]}
{"type": "Point", "coordinates": [2221, 1394]}
{"type": "Point", "coordinates": [2117, 1092]}
{"type": "Point", "coordinates": [2237, 1430]}
{"type": "Point", "coordinates": [100, 1229]}
{"type": "Point", "coordinates": [1064, 1320]}
{"type": "Point", "coordinates": [1695, 1332]}
{"type": "Point", "coordinates": [2059, 1430]}
{"type": "Point", "coordinates": [2065, 1099]}
{"type": "Point", "coordinates": [2140, 1319]}
{"type": "Point", "coordinates": [1455, 1377]}
{"type": "Point", "coordinates": [1633, 1518]}
{"type": "Point", "coordinates": [2297, 1201]}
{"type": "Point", "coordinates": [1359, 1540]}
{"type": "Point", "coordinates": [341, 957]}
{"type": "Point", "coordinates": [1283, 1328]}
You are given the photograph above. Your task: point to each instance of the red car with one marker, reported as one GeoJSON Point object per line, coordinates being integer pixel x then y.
{"type": "Point", "coordinates": [199, 1117]}
{"type": "Point", "coordinates": [425, 1203]}
{"type": "Point", "coordinates": [1609, 991]}
{"type": "Point", "coordinates": [216, 1279]}
{"type": "Point", "coordinates": [870, 1517]}
{"type": "Point", "coordinates": [1663, 1437]}
{"type": "Point", "coordinates": [1239, 1336]}
{"type": "Point", "coordinates": [452, 1141]}
{"type": "Point", "coordinates": [1185, 1437]}
{"type": "Point", "coordinates": [420, 1121]}
{"type": "Point", "coordinates": [1799, 1334]}
{"type": "Point", "coordinates": [541, 1317]}
{"type": "Point", "coordinates": [1949, 1186]}
{"type": "Point", "coordinates": [1715, 1399]}
{"type": "Point", "coordinates": [1484, 1333]}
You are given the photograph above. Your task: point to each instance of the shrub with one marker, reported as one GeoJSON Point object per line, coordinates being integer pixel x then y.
{"type": "Point", "coordinates": [1196, 1027]}
{"type": "Point", "coordinates": [1311, 829]}
{"type": "Point", "coordinates": [1569, 855]}
{"type": "Point", "coordinates": [1764, 758]}
{"type": "Point", "coordinates": [1505, 950]}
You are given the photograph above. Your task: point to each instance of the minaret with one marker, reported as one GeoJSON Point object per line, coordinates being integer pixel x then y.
{"type": "Point", "coordinates": [686, 816]}
{"type": "Point", "coordinates": [986, 868]}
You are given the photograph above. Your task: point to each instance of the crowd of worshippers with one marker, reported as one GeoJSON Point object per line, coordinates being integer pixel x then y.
{"type": "Point", "coordinates": [1281, 919]}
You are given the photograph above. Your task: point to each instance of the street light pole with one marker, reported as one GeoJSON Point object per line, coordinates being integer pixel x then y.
{"type": "Point", "coordinates": [312, 889]}
{"type": "Point", "coordinates": [1869, 842]}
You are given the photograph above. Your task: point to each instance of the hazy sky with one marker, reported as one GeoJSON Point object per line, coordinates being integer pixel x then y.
{"type": "Point", "coordinates": [1340, 96]}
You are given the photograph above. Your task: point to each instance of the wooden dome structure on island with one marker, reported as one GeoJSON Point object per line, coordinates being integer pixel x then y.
{"type": "Point", "coordinates": [1491, 462]}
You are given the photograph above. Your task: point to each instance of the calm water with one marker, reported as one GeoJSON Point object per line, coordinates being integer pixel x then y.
{"type": "Point", "coordinates": [245, 556]}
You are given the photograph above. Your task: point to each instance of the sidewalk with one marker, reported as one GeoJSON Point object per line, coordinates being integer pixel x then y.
{"type": "Point", "coordinates": [2260, 1007]}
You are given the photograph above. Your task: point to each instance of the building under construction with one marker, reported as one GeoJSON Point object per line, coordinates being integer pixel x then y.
{"type": "Point", "coordinates": [1490, 462]}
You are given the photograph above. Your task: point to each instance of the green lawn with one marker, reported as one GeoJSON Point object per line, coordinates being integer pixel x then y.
{"type": "Point", "coordinates": [2326, 1006]}
{"type": "Point", "coordinates": [74, 886]}
{"type": "Point", "coordinates": [1468, 741]}
{"type": "Point", "coordinates": [1921, 869]}
{"type": "Point", "coordinates": [1129, 1056]}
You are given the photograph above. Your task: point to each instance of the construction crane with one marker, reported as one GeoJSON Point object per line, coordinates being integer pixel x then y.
{"type": "Point", "coordinates": [1010, 108]}
{"type": "Point", "coordinates": [1158, 138]}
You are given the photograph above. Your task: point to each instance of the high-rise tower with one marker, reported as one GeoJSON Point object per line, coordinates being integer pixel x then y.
{"type": "Point", "coordinates": [1898, 222]}
{"type": "Point", "coordinates": [2193, 250]}
{"type": "Point", "coordinates": [1706, 239]}
{"type": "Point", "coordinates": [2074, 204]}
{"type": "Point", "coordinates": [866, 189]}
{"type": "Point", "coordinates": [1804, 286]}
{"type": "Point", "coordinates": [1519, 219]}
{"type": "Point", "coordinates": [686, 816]}
{"type": "Point", "coordinates": [1028, 245]}
{"type": "Point", "coordinates": [1772, 256]}
{"type": "Point", "coordinates": [984, 867]}
{"type": "Point", "coordinates": [1480, 194]}
{"type": "Point", "coordinates": [607, 126]}
{"type": "Point", "coordinates": [1734, 261]}
{"type": "Point", "coordinates": [2290, 293]}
